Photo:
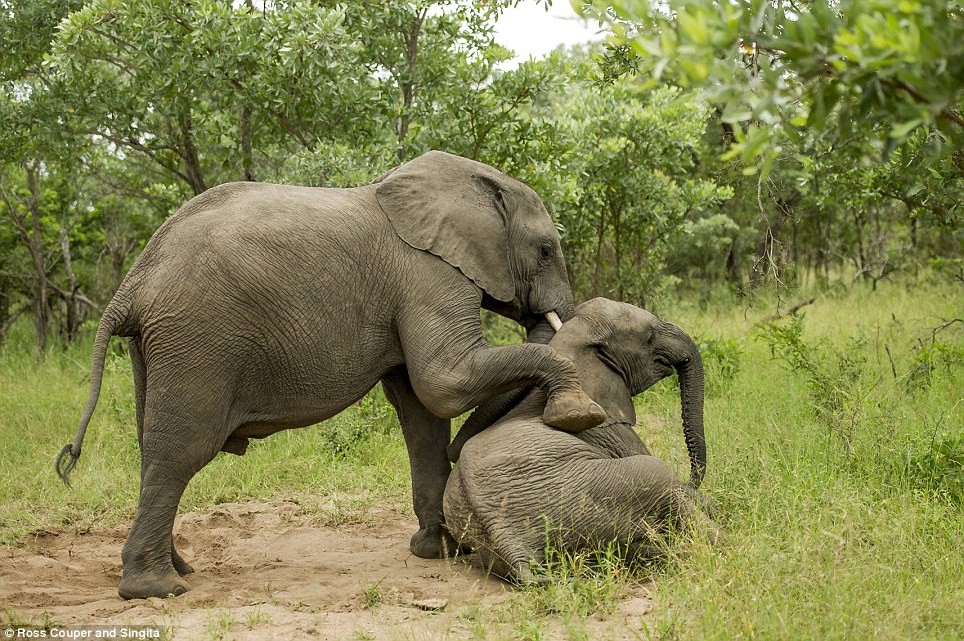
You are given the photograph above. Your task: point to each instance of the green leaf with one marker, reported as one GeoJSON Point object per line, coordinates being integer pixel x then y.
{"type": "Point", "coordinates": [694, 27]}
{"type": "Point", "coordinates": [901, 130]}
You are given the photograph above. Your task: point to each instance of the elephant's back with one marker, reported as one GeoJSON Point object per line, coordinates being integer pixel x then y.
{"type": "Point", "coordinates": [512, 480]}
{"type": "Point", "coordinates": [262, 243]}
{"type": "Point", "coordinates": [522, 461]}
{"type": "Point", "coordinates": [271, 274]}
{"type": "Point", "coordinates": [516, 441]}
{"type": "Point", "coordinates": [232, 215]}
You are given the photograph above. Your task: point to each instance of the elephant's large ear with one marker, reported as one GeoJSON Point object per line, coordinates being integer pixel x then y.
{"type": "Point", "coordinates": [456, 209]}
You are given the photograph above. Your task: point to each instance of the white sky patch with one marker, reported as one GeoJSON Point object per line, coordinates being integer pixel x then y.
{"type": "Point", "coordinates": [531, 31]}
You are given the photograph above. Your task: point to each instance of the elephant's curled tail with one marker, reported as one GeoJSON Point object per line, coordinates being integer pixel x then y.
{"type": "Point", "coordinates": [111, 324]}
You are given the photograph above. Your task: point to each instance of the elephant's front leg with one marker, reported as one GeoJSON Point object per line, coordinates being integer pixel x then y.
{"type": "Point", "coordinates": [451, 384]}
{"type": "Point", "coordinates": [426, 437]}
{"type": "Point", "coordinates": [453, 368]}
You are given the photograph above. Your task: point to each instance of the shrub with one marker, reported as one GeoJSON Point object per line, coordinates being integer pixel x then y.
{"type": "Point", "coordinates": [930, 358]}
{"type": "Point", "coordinates": [937, 466]}
{"type": "Point", "coordinates": [834, 376]}
{"type": "Point", "coordinates": [722, 358]}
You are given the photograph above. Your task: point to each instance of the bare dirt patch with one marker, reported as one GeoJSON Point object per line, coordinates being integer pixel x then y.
{"type": "Point", "coordinates": [270, 571]}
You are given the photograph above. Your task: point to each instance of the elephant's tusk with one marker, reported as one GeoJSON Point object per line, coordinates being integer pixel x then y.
{"type": "Point", "coordinates": [553, 319]}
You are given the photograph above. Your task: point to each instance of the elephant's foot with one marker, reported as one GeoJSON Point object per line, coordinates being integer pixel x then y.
{"type": "Point", "coordinates": [573, 411]}
{"type": "Point", "coordinates": [141, 585]}
{"type": "Point", "coordinates": [522, 575]}
{"type": "Point", "coordinates": [435, 543]}
{"type": "Point", "coordinates": [181, 566]}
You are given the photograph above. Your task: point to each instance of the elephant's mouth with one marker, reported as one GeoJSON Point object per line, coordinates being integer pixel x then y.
{"type": "Point", "coordinates": [664, 366]}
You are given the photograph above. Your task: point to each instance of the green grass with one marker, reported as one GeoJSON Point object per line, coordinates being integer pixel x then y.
{"type": "Point", "coordinates": [835, 456]}
{"type": "Point", "coordinates": [839, 478]}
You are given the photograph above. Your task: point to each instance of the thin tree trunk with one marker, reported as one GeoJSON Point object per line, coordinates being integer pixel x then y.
{"type": "Point", "coordinates": [4, 301]}
{"type": "Point", "coordinates": [246, 130]}
{"type": "Point", "coordinates": [118, 250]}
{"type": "Point", "coordinates": [733, 270]}
{"type": "Point", "coordinates": [35, 246]}
{"type": "Point", "coordinates": [617, 254]}
{"type": "Point", "coordinates": [10, 320]}
{"type": "Point", "coordinates": [861, 259]}
{"type": "Point", "coordinates": [407, 83]}
{"type": "Point", "coordinates": [247, 153]}
{"type": "Point", "coordinates": [189, 152]}
{"type": "Point", "coordinates": [18, 210]}
{"type": "Point", "coordinates": [74, 316]}
{"type": "Point", "coordinates": [600, 235]}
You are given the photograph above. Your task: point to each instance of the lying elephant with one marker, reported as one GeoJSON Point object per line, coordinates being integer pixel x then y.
{"type": "Point", "coordinates": [521, 480]}
{"type": "Point", "coordinates": [258, 308]}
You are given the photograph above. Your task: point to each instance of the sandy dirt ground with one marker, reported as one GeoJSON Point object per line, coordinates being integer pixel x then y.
{"type": "Point", "coordinates": [270, 571]}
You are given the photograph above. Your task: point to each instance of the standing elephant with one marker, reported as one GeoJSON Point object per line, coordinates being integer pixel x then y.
{"type": "Point", "coordinates": [520, 480]}
{"type": "Point", "coordinates": [257, 308]}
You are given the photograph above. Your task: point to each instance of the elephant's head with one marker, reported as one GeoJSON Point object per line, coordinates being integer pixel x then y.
{"type": "Point", "coordinates": [491, 227]}
{"type": "Point", "coordinates": [621, 350]}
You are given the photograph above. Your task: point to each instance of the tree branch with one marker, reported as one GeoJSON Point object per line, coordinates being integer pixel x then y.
{"type": "Point", "coordinates": [77, 296]}
{"type": "Point", "coordinates": [900, 85]}
{"type": "Point", "coordinates": [793, 310]}
{"type": "Point", "coordinates": [13, 319]}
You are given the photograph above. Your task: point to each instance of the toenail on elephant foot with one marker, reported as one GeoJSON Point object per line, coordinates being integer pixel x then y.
{"type": "Point", "coordinates": [143, 585]}
{"type": "Point", "coordinates": [182, 567]}
{"type": "Point", "coordinates": [522, 575]}
{"type": "Point", "coordinates": [434, 543]}
{"type": "Point", "coordinates": [573, 411]}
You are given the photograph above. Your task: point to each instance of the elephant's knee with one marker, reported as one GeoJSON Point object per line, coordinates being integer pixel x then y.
{"type": "Point", "coordinates": [441, 398]}
{"type": "Point", "coordinates": [447, 409]}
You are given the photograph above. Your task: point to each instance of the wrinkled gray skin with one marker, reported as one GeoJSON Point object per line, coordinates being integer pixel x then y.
{"type": "Point", "coordinates": [258, 308]}
{"type": "Point", "coordinates": [592, 488]}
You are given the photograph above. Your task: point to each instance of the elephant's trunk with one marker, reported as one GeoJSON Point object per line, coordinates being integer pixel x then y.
{"type": "Point", "coordinates": [552, 301]}
{"type": "Point", "coordinates": [550, 314]}
{"type": "Point", "coordinates": [566, 309]}
{"type": "Point", "coordinates": [690, 372]}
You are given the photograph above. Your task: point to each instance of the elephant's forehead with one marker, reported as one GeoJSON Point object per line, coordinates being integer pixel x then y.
{"type": "Point", "coordinates": [529, 197]}
{"type": "Point", "coordinates": [617, 311]}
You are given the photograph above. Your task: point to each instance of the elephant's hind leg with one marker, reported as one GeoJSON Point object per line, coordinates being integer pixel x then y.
{"type": "Point", "coordinates": [139, 367]}
{"type": "Point", "coordinates": [148, 553]}
{"type": "Point", "coordinates": [170, 456]}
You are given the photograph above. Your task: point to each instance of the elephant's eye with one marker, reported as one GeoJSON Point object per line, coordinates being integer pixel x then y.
{"type": "Point", "coordinates": [545, 251]}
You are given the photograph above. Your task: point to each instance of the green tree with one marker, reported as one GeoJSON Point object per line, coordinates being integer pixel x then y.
{"type": "Point", "coordinates": [195, 88]}
{"type": "Point", "coordinates": [40, 212]}
{"type": "Point", "coordinates": [439, 84]}
{"type": "Point", "coordinates": [888, 66]}
{"type": "Point", "coordinates": [615, 165]}
{"type": "Point", "coordinates": [852, 109]}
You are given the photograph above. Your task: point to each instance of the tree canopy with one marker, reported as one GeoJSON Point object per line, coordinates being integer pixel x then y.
{"type": "Point", "coordinates": [795, 68]}
{"type": "Point", "coordinates": [741, 143]}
